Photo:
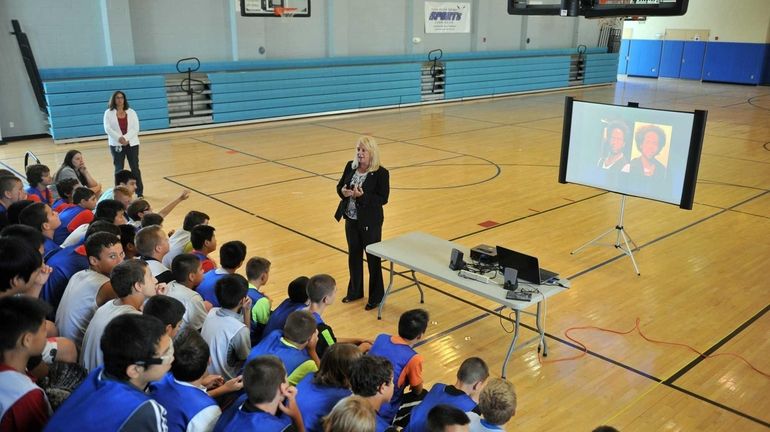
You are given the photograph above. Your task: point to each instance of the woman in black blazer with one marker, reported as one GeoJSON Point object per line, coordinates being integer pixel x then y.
{"type": "Point", "coordinates": [363, 189]}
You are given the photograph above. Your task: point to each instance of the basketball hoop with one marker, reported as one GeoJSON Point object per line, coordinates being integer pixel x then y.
{"type": "Point", "coordinates": [285, 12]}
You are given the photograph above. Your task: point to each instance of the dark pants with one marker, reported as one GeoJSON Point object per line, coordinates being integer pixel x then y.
{"type": "Point", "coordinates": [358, 238]}
{"type": "Point", "coordinates": [119, 158]}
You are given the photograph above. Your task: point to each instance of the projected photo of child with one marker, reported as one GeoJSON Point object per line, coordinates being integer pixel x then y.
{"type": "Point", "coordinates": [649, 155]}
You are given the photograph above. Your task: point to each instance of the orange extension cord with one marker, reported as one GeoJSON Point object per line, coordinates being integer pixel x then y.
{"type": "Point", "coordinates": [639, 330]}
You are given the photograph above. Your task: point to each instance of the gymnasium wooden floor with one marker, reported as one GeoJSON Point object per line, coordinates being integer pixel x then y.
{"type": "Point", "coordinates": [455, 166]}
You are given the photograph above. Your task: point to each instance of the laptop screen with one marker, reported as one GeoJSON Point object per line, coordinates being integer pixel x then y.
{"type": "Point", "coordinates": [527, 266]}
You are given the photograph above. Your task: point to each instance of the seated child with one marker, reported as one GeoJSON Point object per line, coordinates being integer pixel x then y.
{"type": "Point", "coordinates": [407, 364]}
{"type": "Point", "coordinates": [295, 346]}
{"type": "Point", "coordinates": [138, 208]}
{"type": "Point", "coordinates": [446, 418]}
{"type": "Point", "coordinates": [188, 274]}
{"type": "Point", "coordinates": [497, 403]}
{"type": "Point", "coordinates": [136, 352]}
{"type": "Point", "coordinates": [179, 241]}
{"type": "Point", "coordinates": [79, 214]}
{"type": "Point", "coordinates": [204, 242]}
{"type": "Point", "coordinates": [123, 195]}
{"type": "Point", "coordinates": [22, 336]}
{"type": "Point", "coordinates": [319, 392]}
{"type": "Point", "coordinates": [152, 244]}
{"type": "Point", "coordinates": [39, 178]}
{"type": "Point", "coordinates": [128, 240]}
{"type": "Point", "coordinates": [352, 414]}
{"type": "Point", "coordinates": [11, 191]}
{"type": "Point", "coordinates": [297, 300]}
{"type": "Point", "coordinates": [269, 404]}
{"type": "Point", "coordinates": [150, 219]}
{"type": "Point", "coordinates": [258, 273]}
{"type": "Point", "coordinates": [231, 255]}
{"type": "Point", "coordinates": [463, 395]}
{"type": "Point", "coordinates": [41, 217]}
{"type": "Point", "coordinates": [123, 178]}
{"type": "Point", "coordinates": [168, 310]}
{"type": "Point", "coordinates": [371, 377]}
{"type": "Point", "coordinates": [65, 188]}
{"type": "Point", "coordinates": [226, 329]}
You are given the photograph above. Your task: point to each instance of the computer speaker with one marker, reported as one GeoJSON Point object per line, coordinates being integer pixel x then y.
{"type": "Point", "coordinates": [511, 278]}
{"type": "Point", "coordinates": [456, 260]}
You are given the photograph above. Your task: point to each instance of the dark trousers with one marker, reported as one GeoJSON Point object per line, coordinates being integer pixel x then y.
{"type": "Point", "coordinates": [119, 159]}
{"type": "Point", "coordinates": [359, 237]}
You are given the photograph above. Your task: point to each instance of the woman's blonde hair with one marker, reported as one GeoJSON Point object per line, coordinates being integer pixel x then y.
{"type": "Point", "coordinates": [370, 144]}
{"type": "Point", "coordinates": [352, 414]}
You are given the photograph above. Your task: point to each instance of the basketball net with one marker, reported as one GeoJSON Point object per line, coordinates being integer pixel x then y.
{"type": "Point", "coordinates": [285, 12]}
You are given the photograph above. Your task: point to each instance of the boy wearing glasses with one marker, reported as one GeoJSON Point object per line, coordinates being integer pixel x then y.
{"type": "Point", "coordinates": [136, 352]}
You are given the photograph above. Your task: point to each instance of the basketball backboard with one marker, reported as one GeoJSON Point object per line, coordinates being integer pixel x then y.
{"type": "Point", "coordinates": [275, 8]}
{"type": "Point", "coordinates": [598, 8]}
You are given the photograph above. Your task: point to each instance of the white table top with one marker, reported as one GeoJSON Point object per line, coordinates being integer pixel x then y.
{"type": "Point", "coordinates": [430, 255]}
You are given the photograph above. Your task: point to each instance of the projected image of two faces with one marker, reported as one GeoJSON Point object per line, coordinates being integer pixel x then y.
{"type": "Point", "coordinates": [640, 150]}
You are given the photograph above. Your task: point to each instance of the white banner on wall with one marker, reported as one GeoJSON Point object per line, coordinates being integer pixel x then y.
{"type": "Point", "coordinates": [444, 17]}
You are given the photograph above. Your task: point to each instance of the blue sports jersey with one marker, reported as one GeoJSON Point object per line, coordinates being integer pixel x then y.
{"type": "Point", "coordinates": [439, 394]}
{"type": "Point", "coordinates": [280, 314]}
{"type": "Point", "coordinates": [207, 286]}
{"type": "Point", "coordinates": [240, 417]}
{"type": "Point", "coordinates": [50, 247]}
{"type": "Point", "coordinates": [182, 402]}
{"type": "Point", "coordinates": [66, 216]}
{"type": "Point", "coordinates": [316, 401]}
{"type": "Point", "coordinates": [64, 264]}
{"type": "Point", "coordinates": [399, 355]}
{"type": "Point", "coordinates": [43, 197]}
{"type": "Point", "coordinates": [290, 356]}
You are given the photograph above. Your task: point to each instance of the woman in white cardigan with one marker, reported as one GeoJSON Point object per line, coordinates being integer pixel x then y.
{"type": "Point", "coordinates": [122, 127]}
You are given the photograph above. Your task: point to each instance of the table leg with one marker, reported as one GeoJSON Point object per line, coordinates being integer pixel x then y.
{"type": "Point", "coordinates": [541, 329]}
{"type": "Point", "coordinates": [416, 282]}
{"type": "Point", "coordinates": [387, 291]}
{"type": "Point", "coordinates": [513, 341]}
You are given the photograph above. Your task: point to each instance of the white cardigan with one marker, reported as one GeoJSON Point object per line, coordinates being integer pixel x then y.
{"type": "Point", "coordinates": [112, 128]}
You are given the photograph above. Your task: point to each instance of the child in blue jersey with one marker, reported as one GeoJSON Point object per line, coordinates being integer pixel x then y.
{"type": "Point", "coordinates": [183, 390]}
{"type": "Point", "coordinates": [464, 394]}
{"type": "Point", "coordinates": [407, 364]}
{"type": "Point", "coordinates": [65, 188]}
{"type": "Point", "coordinates": [371, 377]}
{"type": "Point", "coordinates": [258, 273]}
{"type": "Point", "coordinates": [295, 346]}
{"type": "Point", "coordinates": [39, 178]}
{"type": "Point", "coordinates": [80, 214]}
{"type": "Point", "coordinates": [318, 392]}
{"type": "Point", "coordinates": [231, 256]}
{"type": "Point", "coordinates": [41, 217]}
{"type": "Point", "coordinates": [204, 242]}
{"type": "Point", "coordinates": [269, 404]}
{"type": "Point", "coordinates": [297, 300]}
{"type": "Point", "coordinates": [446, 418]}
{"type": "Point", "coordinates": [497, 403]}
{"type": "Point", "coordinates": [136, 352]}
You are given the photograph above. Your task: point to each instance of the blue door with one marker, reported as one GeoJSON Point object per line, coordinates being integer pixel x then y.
{"type": "Point", "coordinates": [671, 59]}
{"type": "Point", "coordinates": [623, 57]}
{"type": "Point", "coordinates": [644, 57]}
{"type": "Point", "coordinates": [692, 60]}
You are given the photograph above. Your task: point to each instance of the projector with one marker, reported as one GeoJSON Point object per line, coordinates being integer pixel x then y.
{"type": "Point", "coordinates": [484, 254]}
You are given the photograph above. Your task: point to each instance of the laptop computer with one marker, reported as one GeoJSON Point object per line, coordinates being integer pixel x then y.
{"type": "Point", "coordinates": [527, 266]}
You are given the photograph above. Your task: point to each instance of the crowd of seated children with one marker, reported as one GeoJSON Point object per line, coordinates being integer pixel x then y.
{"type": "Point", "coordinates": [371, 377]}
{"type": "Point", "coordinates": [204, 242]}
{"type": "Point", "coordinates": [318, 392]}
{"type": "Point", "coordinates": [269, 404]}
{"type": "Point", "coordinates": [352, 414]}
{"type": "Point", "coordinates": [231, 256]}
{"type": "Point", "coordinates": [407, 363]}
{"type": "Point", "coordinates": [226, 328]}
{"type": "Point", "coordinates": [39, 178]}
{"type": "Point", "coordinates": [463, 395]}
{"type": "Point", "coordinates": [188, 274]}
{"type": "Point", "coordinates": [258, 273]}
{"type": "Point", "coordinates": [297, 299]}
{"type": "Point", "coordinates": [152, 244]}
{"type": "Point", "coordinates": [321, 292]}
{"type": "Point", "coordinates": [446, 418]}
{"type": "Point", "coordinates": [497, 404]}
{"type": "Point", "coordinates": [89, 289]}
{"type": "Point", "coordinates": [65, 188]}
{"type": "Point", "coordinates": [179, 241]}
{"type": "Point", "coordinates": [79, 214]}
{"type": "Point", "coordinates": [136, 352]}
{"type": "Point", "coordinates": [41, 217]}
{"type": "Point", "coordinates": [294, 345]}
{"type": "Point", "coordinates": [123, 178]}
{"type": "Point", "coordinates": [133, 284]}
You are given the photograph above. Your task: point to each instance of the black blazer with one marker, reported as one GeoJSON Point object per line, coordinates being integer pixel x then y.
{"type": "Point", "coordinates": [376, 189]}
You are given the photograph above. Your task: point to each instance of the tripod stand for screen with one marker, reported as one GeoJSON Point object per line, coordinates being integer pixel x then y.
{"type": "Point", "coordinates": [620, 235]}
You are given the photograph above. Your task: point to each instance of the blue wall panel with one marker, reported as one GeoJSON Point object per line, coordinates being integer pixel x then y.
{"type": "Point", "coordinates": [671, 58]}
{"type": "Point", "coordinates": [644, 57]}
{"type": "Point", "coordinates": [734, 62]}
{"type": "Point", "coordinates": [623, 57]}
{"type": "Point", "coordinates": [692, 60]}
